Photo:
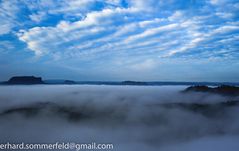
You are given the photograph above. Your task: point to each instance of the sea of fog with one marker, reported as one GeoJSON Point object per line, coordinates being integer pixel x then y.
{"type": "Point", "coordinates": [131, 117]}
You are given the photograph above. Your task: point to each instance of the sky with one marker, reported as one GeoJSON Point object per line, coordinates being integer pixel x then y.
{"type": "Point", "coordinates": [113, 40]}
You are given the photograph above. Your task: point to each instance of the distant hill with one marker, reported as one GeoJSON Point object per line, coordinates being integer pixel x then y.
{"type": "Point", "coordinates": [69, 82]}
{"type": "Point", "coordinates": [133, 83]}
{"type": "Point", "coordinates": [24, 80]}
{"type": "Point", "coordinates": [60, 81]}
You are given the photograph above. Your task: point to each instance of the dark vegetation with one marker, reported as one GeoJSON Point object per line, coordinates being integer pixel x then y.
{"type": "Point", "coordinates": [226, 90]}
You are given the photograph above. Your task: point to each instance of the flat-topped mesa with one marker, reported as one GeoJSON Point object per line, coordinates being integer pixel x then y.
{"type": "Point", "coordinates": [25, 80]}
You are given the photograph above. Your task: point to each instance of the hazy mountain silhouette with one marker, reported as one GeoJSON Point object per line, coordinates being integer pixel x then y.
{"type": "Point", "coordinates": [38, 80]}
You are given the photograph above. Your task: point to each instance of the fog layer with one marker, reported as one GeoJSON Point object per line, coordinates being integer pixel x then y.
{"type": "Point", "coordinates": [130, 117]}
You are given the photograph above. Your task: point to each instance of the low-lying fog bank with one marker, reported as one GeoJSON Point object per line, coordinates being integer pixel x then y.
{"type": "Point", "coordinates": [130, 117]}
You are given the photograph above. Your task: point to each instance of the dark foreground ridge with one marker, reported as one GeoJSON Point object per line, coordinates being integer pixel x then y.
{"type": "Point", "coordinates": [222, 90]}
{"type": "Point", "coordinates": [25, 80]}
{"type": "Point", "coordinates": [77, 113]}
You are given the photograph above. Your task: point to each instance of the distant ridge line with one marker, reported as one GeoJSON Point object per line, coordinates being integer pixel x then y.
{"type": "Point", "coordinates": [28, 80]}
